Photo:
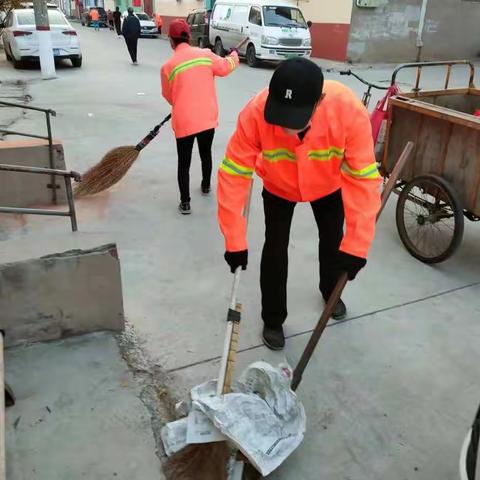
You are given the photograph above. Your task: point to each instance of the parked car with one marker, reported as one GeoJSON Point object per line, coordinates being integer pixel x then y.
{"type": "Point", "coordinates": [87, 19]}
{"type": "Point", "coordinates": [198, 22]}
{"type": "Point", "coordinates": [147, 25]}
{"type": "Point", "coordinates": [277, 30]}
{"type": "Point", "coordinates": [20, 38]}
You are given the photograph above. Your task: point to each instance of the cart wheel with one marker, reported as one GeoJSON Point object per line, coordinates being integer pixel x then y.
{"type": "Point", "coordinates": [429, 219]}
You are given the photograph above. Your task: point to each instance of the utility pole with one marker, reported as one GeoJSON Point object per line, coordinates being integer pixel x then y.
{"type": "Point", "coordinates": [47, 62]}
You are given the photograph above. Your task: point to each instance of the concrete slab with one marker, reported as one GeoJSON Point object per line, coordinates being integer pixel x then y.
{"type": "Point", "coordinates": [28, 189]}
{"type": "Point", "coordinates": [78, 414]}
{"type": "Point", "coordinates": [61, 294]}
{"type": "Point", "coordinates": [390, 395]}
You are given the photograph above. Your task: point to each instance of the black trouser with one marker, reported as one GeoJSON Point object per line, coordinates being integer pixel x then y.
{"type": "Point", "coordinates": [329, 215]}
{"type": "Point", "coordinates": [118, 28]}
{"type": "Point", "coordinates": [132, 48]}
{"type": "Point", "coordinates": [184, 150]}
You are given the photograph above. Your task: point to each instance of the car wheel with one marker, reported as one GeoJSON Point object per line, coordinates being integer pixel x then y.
{"type": "Point", "coordinates": [16, 63]}
{"type": "Point", "coordinates": [83, 23]}
{"type": "Point", "coordinates": [252, 60]}
{"type": "Point", "coordinates": [219, 47]}
{"type": "Point", "coordinates": [76, 62]}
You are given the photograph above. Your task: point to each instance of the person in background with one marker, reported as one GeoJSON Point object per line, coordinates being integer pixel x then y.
{"type": "Point", "coordinates": [117, 21]}
{"type": "Point", "coordinates": [110, 19]}
{"type": "Point", "coordinates": [158, 22]}
{"type": "Point", "coordinates": [188, 84]}
{"type": "Point", "coordinates": [131, 31]}
{"type": "Point", "coordinates": [95, 17]}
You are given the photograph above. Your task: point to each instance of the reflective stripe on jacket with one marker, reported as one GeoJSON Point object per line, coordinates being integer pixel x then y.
{"type": "Point", "coordinates": [188, 84]}
{"type": "Point", "coordinates": [337, 152]}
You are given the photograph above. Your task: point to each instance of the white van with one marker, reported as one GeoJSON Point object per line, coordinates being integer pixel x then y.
{"type": "Point", "coordinates": [277, 29]}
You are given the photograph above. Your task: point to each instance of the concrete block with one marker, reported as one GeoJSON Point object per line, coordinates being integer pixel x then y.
{"type": "Point", "coordinates": [27, 189]}
{"type": "Point", "coordinates": [61, 294]}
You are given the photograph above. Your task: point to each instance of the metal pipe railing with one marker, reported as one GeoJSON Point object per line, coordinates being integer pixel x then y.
{"type": "Point", "coordinates": [67, 176]}
{"type": "Point", "coordinates": [48, 113]}
{"type": "Point", "coordinates": [447, 64]}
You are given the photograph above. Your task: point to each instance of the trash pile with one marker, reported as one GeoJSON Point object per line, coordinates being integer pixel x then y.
{"type": "Point", "coordinates": [262, 417]}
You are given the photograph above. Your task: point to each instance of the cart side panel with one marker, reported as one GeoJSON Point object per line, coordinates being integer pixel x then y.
{"type": "Point", "coordinates": [403, 126]}
{"type": "Point", "coordinates": [462, 166]}
{"type": "Point", "coordinates": [450, 150]}
{"type": "Point", "coordinates": [429, 135]}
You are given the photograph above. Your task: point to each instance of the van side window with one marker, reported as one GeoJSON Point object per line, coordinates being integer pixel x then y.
{"type": "Point", "coordinates": [221, 12]}
{"type": "Point", "coordinates": [255, 16]}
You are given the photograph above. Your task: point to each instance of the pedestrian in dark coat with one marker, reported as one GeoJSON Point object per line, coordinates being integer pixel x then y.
{"type": "Point", "coordinates": [131, 31]}
{"type": "Point", "coordinates": [117, 20]}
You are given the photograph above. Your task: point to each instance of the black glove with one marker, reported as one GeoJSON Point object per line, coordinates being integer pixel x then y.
{"type": "Point", "coordinates": [350, 264]}
{"type": "Point", "coordinates": [237, 259]}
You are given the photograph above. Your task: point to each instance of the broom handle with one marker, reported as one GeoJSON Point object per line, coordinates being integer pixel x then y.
{"type": "Point", "coordinates": [233, 325]}
{"type": "Point", "coordinates": [152, 134]}
{"type": "Point", "coordinates": [343, 280]}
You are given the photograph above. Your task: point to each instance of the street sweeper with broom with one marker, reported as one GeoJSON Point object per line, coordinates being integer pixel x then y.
{"type": "Point", "coordinates": [188, 84]}
{"type": "Point", "coordinates": [310, 141]}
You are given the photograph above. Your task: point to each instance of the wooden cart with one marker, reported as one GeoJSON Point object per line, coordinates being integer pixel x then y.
{"type": "Point", "coordinates": [440, 184]}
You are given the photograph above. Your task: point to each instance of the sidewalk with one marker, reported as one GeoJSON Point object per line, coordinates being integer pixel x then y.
{"type": "Point", "coordinates": [389, 393]}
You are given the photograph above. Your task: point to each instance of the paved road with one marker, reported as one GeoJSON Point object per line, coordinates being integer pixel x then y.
{"type": "Point", "coordinates": [389, 393]}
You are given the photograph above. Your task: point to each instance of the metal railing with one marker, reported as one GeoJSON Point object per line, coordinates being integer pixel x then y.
{"type": "Point", "coordinates": [48, 113]}
{"type": "Point", "coordinates": [67, 176]}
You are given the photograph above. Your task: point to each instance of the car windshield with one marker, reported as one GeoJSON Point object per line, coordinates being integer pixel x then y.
{"type": "Point", "coordinates": [27, 17]}
{"type": "Point", "coordinates": [143, 16]}
{"type": "Point", "coordinates": [283, 17]}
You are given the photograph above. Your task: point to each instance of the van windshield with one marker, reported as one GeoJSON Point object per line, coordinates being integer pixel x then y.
{"type": "Point", "coordinates": [283, 17]}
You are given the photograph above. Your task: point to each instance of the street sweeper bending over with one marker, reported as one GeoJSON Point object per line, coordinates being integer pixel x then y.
{"type": "Point", "coordinates": [310, 141]}
{"type": "Point", "coordinates": [188, 84]}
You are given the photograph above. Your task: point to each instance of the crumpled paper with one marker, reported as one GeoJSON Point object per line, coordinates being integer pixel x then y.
{"type": "Point", "coordinates": [262, 417]}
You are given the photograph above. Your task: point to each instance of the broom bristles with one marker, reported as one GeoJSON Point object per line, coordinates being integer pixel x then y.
{"type": "Point", "coordinates": [203, 461]}
{"type": "Point", "coordinates": [109, 171]}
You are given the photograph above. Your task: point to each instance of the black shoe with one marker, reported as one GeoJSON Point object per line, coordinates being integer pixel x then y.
{"type": "Point", "coordinates": [205, 190]}
{"type": "Point", "coordinates": [184, 208]}
{"type": "Point", "coordinates": [274, 339]}
{"type": "Point", "coordinates": [340, 311]}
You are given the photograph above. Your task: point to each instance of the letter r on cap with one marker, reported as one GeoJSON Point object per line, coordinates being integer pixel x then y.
{"type": "Point", "coordinates": [288, 94]}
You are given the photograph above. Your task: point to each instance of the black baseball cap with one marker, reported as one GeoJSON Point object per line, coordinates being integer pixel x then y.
{"type": "Point", "coordinates": [295, 88]}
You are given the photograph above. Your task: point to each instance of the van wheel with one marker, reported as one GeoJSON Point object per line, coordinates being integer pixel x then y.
{"type": "Point", "coordinates": [252, 60]}
{"type": "Point", "coordinates": [219, 47]}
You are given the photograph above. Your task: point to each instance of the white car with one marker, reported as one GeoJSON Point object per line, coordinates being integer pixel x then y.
{"type": "Point", "coordinates": [276, 29]}
{"type": "Point", "coordinates": [147, 25]}
{"type": "Point", "coordinates": [20, 38]}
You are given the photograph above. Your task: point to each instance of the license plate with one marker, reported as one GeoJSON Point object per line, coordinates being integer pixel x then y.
{"type": "Point", "coordinates": [56, 52]}
{"type": "Point", "coordinates": [293, 55]}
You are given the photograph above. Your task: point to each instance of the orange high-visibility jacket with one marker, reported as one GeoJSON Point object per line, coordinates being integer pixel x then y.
{"type": "Point", "coordinates": [337, 152]}
{"type": "Point", "coordinates": [188, 84]}
{"type": "Point", "coordinates": [94, 15]}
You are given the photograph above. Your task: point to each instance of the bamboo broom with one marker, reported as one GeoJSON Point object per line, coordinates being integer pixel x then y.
{"type": "Point", "coordinates": [114, 165]}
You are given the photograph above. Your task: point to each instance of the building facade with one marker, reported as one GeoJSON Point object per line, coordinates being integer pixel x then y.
{"type": "Point", "coordinates": [395, 29]}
